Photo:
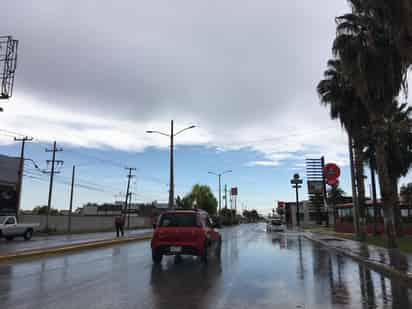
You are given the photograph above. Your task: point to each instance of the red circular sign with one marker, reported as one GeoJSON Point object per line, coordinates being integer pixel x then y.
{"type": "Point", "coordinates": [331, 171]}
{"type": "Point", "coordinates": [332, 182]}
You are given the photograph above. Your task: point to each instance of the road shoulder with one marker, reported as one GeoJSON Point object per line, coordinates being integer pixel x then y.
{"type": "Point", "coordinates": [391, 263]}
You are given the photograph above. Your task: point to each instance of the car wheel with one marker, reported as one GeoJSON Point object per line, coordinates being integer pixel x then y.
{"type": "Point", "coordinates": [9, 237]}
{"type": "Point", "coordinates": [219, 248]}
{"type": "Point", "coordinates": [156, 257]}
{"type": "Point", "coordinates": [28, 234]}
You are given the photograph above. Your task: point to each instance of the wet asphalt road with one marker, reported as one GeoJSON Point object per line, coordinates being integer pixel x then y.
{"type": "Point", "coordinates": [257, 270]}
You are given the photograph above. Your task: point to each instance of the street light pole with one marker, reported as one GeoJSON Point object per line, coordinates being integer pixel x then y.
{"type": "Point", "coordinates": [220, 194]}
{"type": "Point", "coordinates": [296, 184]}
{"type": "Point", "coordinates": [297, 205]}
{"type": "Point", "coordinates": [172, 185]}
{"type": "Point", "coordinates": [171, 136]}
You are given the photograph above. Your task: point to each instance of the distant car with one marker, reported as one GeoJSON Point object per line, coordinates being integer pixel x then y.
{"type": "Point", "coordinates": [275, 225]}
{"type": "Point", "coordinates": [9, 228]}
{"type": "Point", "coordinates": [185, 232]}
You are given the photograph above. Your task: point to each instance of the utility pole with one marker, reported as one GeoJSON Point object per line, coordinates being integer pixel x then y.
{"type": "Point", "coordinates": [69, 225]}
{"type": "Point", "coordinates": [20, 172]}
{"type": "Point", "coordinates": [219, 175]}
{"type": "Point", "coordinates": [129, 177]}
{"type": "Point", "coordinates": [129, 209]}
{"type": "Point", "coordinates": [53, 161]}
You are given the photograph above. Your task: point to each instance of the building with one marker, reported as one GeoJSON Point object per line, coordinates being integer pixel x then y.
{"type": "Point", "coordinates": [307, 213]}
{"type": "Point", "coordinates": [344, 217]}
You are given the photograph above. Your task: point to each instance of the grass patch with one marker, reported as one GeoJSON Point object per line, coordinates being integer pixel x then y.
{"type": "Point", "coordinates": [404, 243]}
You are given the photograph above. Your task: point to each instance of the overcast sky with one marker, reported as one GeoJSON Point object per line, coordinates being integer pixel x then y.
{"type": "Point", "coordinates": [97, 74]}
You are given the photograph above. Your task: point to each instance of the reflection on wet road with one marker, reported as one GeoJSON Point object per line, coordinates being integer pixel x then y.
{"type": "Point", "coordinates": [257, 270]}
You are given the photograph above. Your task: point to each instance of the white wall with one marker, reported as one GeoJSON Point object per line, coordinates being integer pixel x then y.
{"type": "Point", "coordinates": [82, 223]}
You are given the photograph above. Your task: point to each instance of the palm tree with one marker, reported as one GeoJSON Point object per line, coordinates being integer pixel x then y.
{"type": "Point", "coordinates": [371, 58]}
{"type": "Point", "coordinates": [399, 13]}
{"type": "Point", "coordinates": [399, 150]}
{"type": "Point", "coordinates": [337, 92]}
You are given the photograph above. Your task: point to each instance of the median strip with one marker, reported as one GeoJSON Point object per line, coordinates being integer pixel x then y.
{"type": "Point", "coordinates": [71, 247]}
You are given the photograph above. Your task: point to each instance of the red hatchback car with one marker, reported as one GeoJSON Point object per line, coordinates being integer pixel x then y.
{"type": "Point", "coordinates": [185, 232]}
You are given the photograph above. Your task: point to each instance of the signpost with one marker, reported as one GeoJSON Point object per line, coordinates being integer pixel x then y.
{"type": "Point", "coordinates": [331, 172]}
{"type": "Point", "coordinates": [315, 187]}
{"type": "Point", "coordinates": [296, 184]}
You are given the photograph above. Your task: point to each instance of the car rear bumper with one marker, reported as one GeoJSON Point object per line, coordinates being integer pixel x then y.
{"type": "Point", "coordinates": [185, 249]}
{"type": "Point", "coordinates": [275, 229]}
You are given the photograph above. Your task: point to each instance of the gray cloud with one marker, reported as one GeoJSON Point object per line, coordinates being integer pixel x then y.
{"type": "Point", "coordinates": [222, 62]}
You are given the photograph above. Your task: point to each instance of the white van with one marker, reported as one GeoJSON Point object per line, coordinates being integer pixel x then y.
{"type": "Point", "coordinates": [275, 225]}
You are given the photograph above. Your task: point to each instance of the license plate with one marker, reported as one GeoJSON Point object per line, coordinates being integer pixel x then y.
{"type": "Point", "coordinates": [175, 249]}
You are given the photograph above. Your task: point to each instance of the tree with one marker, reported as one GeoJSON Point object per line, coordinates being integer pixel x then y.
{"type": "Point", "coordinates": [251, 215]}
{"type": "Point", "coordinates": [280, 211]}
{"type": "Point", "coordinates": [179, 202]}
{"type": "Point", "coordinates": [368, 45]}
{"type": "Point", "coordinates": [200, 197]}
{"type": "Point", "coordinates": [337, 92]}
{"type": "Point", "coordinates": [399, 149]}
{"type": "Point", "coordinates": [336, 195]}
{"type": "Point", "coordinates": [42, 210]}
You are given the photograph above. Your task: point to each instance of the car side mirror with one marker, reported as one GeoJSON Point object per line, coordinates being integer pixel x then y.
{"type": "Point", "coordinates": [154, 225]}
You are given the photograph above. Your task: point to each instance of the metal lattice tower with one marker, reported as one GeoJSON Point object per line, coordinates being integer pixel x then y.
{"type": "Point", "coordinates": [315, 177]}
{"type": "Point", "coordinates": [8, 64]}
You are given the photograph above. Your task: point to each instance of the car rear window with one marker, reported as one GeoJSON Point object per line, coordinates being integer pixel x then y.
{"type": "Point", "coordinates": [276, 222]}
{"type": "Point", "coordinates": [178, 219]}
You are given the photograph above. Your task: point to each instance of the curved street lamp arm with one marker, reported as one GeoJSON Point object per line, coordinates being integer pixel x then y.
{"type": "Point", "coordinates": [188, 128]}
{"type": "Point", "coordinates": [228, 171]}
{"type": "Point", "coordinates": [213, 173]}
{"type": "Point", "coordinates": [158, 132]}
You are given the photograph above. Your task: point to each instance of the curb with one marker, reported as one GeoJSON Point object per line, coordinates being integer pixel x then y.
{"type": "Point", "coordinates": [376, 266]}
{"type": "Point", "coordinates": [70, 248]}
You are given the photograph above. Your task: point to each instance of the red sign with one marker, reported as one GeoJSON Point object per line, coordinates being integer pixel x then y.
{"type": "Point", "coordinates": [281, 204]}
{"type": "Point", "coordinates": [332, 182]}
{"type": "Point", "coordinates": [331, 172]}
{"type": "Point", "coordinates": [233, 191]}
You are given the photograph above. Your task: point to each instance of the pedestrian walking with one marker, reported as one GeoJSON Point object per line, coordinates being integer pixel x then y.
{"type": "Point", "coordinates": [119, 224]}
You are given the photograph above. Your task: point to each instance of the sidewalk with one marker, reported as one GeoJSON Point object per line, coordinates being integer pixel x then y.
{"type": "Point", "coordinates": [54, 243]}
{"type": "Point", "coordinates": [389, 261]}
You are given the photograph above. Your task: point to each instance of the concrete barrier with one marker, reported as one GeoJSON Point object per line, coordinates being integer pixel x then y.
{"type": "Point", "coordinates": [82, 223]}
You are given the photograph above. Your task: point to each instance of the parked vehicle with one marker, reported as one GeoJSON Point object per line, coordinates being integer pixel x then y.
{"type": "Point", "coordinates": [9, 228]}
{"type": "Point", "coordinates": [185, 232]}
{"type": "Point", "coordinates": [275, 225]}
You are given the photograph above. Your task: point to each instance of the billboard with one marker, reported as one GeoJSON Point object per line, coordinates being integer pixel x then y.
{"type": "Point", "coordinates": [9, 178]}
{"type": "Point", "coordinates": [315, 187]}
